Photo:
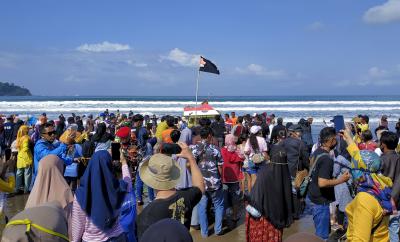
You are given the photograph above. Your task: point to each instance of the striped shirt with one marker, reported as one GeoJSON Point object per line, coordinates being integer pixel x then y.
{"type": "Point", "coordinates": [84, 229]}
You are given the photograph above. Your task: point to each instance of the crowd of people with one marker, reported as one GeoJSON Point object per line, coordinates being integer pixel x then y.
{"type": "Point", "coordinates": [87, 176]}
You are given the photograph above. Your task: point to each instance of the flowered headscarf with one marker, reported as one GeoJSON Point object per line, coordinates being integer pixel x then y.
{"type": "Point", "coordinates": [365, 172]}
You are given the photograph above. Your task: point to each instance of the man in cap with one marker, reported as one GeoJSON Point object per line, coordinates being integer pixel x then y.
{"type": "Point", "coordinates": [163, 173]}
{"type": "Point", "coordinates": [298, 160]}
{"type": "Point", "coordinates": [8, 132]}
{"type": "Point", "coordinates": [384, 121]}
{"type": "Point", "coordinates": [276, 129]}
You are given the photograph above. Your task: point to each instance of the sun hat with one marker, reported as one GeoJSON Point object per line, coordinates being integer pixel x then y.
{"type": "Point", "coordinates": [255, 129]}
{"type": "Point", "coordinates": [160, 172]}
{"type": "Point", "coordinates": [295, 128]}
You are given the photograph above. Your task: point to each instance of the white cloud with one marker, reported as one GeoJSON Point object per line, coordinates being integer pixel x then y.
{"type": "Point", "coordinates": [385, 13]}
{"type": "Point", "coordinates": [376, 72]}
{"type": "Point", "coordinates": [103, 47]}
{"type": "Point", "coordinates": [183, 58]}
{"type": "Point", "coordinates": [258, 70]}
{"type": "Point", "coordinates": [133, 63]}
{"type": "Point", "coordinates": [375, 76]}
{"type": "Point", "coordinates": [316, 26]}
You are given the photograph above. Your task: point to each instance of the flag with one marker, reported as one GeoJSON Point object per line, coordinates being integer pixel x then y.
{"type": "Point", "coordinates": [208, 66]}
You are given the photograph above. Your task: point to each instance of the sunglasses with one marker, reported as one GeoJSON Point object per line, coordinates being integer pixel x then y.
{"type": "Point", "coordinates": [50, 133]}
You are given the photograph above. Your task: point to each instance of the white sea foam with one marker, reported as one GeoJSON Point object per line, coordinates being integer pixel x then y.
{"type": "Point", "coordinates": [182, 103]}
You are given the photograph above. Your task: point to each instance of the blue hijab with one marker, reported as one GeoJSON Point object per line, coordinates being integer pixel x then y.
{"type": "Point", "coordinates": [100, 194]}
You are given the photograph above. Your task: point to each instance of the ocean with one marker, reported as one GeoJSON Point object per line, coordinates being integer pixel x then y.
{"type": "Point", "coordinates": [291, 108]}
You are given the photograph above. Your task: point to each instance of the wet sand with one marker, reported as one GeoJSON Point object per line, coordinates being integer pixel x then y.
{"type": "Point", "coordinates": [305, 224]}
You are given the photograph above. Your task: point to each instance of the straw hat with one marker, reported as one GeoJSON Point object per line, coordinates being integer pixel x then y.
{"type": "Point", "coordinates": [160, 172]}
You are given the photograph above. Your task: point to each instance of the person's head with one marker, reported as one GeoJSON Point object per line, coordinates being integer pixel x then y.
{"type": "Point", "coordinates": [226, 116]}
{"type": "Point", "coordinates": [255, 131]}
{"type": "Point", "coordinates": [175, 135]}
{"type": "Point", "coordinates": [327, 137]}
{"type": "Point", "coordinates": [310, 120]}
{"type": "Point", "coordinates": [204, 122]}
{"type": "Point", "coordinates": [295, 131]}
{"type": "Point", "coordinates": [124, 135]}
{"type": "Point", "coordinates": [233, 114]}
{"type": "Point", "coordinates": [170, 121]}
{"type": "Point", "coordinates": [217, 117]}
{"type": "Point", "coordinates": [138, 120]}
{"type": "Point", "coordinates": [230, 142]}
{"type": "Point", "coordinates": [47, 132]}
{"type": "Point", "coordinates": [48, 215]}
{"type": "Point", "coordinates": [167, 230]}
{"type": "Point", "coordinates": [22, 133]}
{"type": "Point", "coordinates": [364, 119]}
{"type": "Point", "coordinates": [50, 184]}
{"type": "Point", "coordinates": [206, 133]}
{"type": "Point", "coordinates": [388, 141]}
{"type": "Point", "coordinates": [160, 172]}
{"type": "Point", "coordinates": [43, 119]}
{"type": "Point", "coordinates": [379, 131]}
{"type": "Point", "coordinates": [280, 121]}
{"type": "Point", "coordinates": [10, 118]}
{"type": "Point", "coordinates": [281, 135]}
{"type": "Point", "coordinates": [240, 120]}
{"type": "Point", "coordinates": [366, 135]}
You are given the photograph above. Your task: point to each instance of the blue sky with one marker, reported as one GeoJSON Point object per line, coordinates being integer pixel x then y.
{"type": "Point", "coordinates": [261, 47]}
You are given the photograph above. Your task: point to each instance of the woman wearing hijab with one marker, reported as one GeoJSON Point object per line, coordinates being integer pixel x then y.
{"type": "Point", "coordinates": [368, 214]}
{"type": "Point", "coordinates": [43, 223]}
{"type": "Point", "coordinates": [231, 172]}
{"type": "Point", "coordinates": [102, 139]}
{"type": "Point", "coordinates": [50, 185]}
{"type": "Point", "coordinates": [256, 144]}
{"type": "Point", "coordinates": [270, 202]}
{"type": "Point", "coordinates": [24, 160]}
{"type": "Point", "coordinates": [98, 200]}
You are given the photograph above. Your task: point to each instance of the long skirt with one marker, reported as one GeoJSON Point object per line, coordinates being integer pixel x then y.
{"type": "Point", "coordinates": [261, 230]}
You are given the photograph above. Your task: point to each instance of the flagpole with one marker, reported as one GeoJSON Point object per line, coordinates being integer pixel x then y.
{"type": "Point", "coordinates": [197, 93]}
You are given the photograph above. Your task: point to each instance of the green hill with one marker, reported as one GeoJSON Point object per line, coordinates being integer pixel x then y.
{"type": "Point", "coordinates": [9, 89]}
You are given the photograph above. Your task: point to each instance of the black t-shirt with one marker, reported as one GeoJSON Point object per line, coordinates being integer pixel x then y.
{"type": "Point", "coordinates": [178, 207]}
{"type": "Point", "coordinates": [323, 169]}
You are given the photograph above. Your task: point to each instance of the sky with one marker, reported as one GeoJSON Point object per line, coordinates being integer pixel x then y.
{"type": "Point", "coordinates": [261, 47]}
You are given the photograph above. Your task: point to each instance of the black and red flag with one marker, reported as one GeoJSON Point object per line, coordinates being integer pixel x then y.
{"type": "Point", "coordinates": [208, 66]}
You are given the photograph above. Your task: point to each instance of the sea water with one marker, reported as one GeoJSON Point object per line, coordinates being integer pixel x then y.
{"type": "Point", "coordinates": [291, 108]}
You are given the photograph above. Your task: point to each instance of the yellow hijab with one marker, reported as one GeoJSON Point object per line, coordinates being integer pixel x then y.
{"type": "Point", "coordinates": [22, 135]}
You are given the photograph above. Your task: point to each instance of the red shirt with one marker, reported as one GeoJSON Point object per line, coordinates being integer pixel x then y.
{"type": "Point", "coordinates": [231, 166]}
{"type": "Point", "coordinates": [371, 146]}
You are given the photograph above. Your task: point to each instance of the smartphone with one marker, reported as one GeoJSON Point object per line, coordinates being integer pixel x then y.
{"type": "Point", "coordinates": [338, 120]}
{"type": "Point", "coordinates": [170, 149]}
{"type": "Point", "coordinates": [115, 151]}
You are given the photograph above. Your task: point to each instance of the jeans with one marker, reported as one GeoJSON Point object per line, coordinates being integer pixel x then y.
{"type": "Point", "coordinates": [195, 216]}
{"type": "Point", "coordinates": [394, 228]}
{"type": "Point", "coordinates": [217, 198]}
{"type": "Point", "coordinates": [322, 220]}
{"type": "Point", "coordinates": [23, 179]}
{"type": "Point", "coordinates": [139, 189]}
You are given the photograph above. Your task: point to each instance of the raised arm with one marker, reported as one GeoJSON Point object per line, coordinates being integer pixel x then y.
{"type": "Point", "coordinates": [197, 177]}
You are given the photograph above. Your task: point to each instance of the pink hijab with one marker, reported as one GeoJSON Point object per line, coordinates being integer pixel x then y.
{"type": "Point", "coordinates": [230, 142]}
{"type": "Point", "coordinates": [50, 184]}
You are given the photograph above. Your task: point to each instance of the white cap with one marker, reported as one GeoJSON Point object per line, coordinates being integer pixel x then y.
{"type": "Point", "coordinates": [255, 129]}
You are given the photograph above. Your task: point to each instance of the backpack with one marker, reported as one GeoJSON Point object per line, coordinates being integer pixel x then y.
{"type": "Point", "coordinates": [306, 181]}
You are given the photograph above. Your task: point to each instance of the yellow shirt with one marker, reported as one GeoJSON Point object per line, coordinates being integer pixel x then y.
{"type": "Point", "coordinates": [24, 158]}
{"type": "Point", "coordinates": [364, 213]}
